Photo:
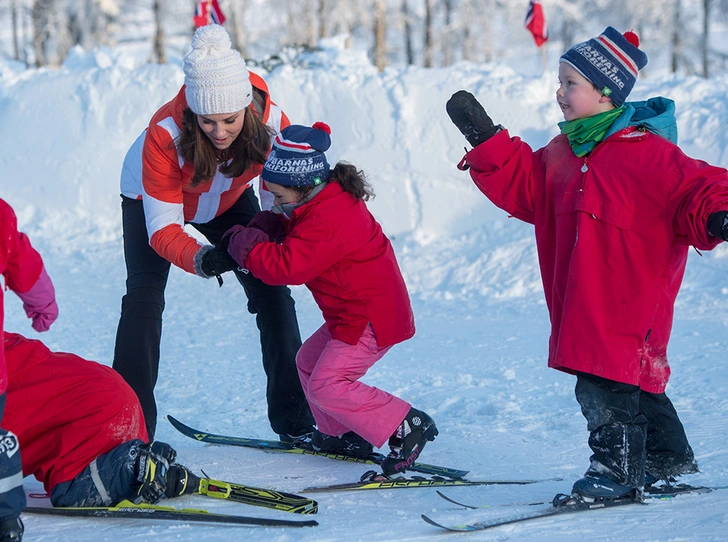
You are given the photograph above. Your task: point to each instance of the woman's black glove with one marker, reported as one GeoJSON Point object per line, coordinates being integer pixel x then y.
{"type": "Point", "coordinates": [470, 118]}
{"type": "Point", "coordinates": [213, 261]}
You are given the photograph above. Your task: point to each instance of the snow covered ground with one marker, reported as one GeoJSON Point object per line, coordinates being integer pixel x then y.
{"type": "Point", "coordinates": [478, 361]}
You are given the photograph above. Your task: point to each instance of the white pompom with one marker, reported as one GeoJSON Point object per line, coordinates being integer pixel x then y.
{"type": "Point", "coordinates": [211, 36]}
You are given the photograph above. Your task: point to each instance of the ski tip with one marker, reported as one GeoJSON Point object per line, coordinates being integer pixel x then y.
{"type": "Point", "coordinates": [428, 520]}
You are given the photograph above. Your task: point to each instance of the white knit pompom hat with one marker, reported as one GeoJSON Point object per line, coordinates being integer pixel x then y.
{"type": "Point", "coordinates": [215, 74]}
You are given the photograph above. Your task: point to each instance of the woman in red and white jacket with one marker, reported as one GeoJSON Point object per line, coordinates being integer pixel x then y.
{"type": "Point", "coordinates": [194, 164]}
{"type": "Point", "coordinates": [333, 245]}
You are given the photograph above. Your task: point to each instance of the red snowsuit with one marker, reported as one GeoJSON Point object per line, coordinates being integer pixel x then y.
{"type": "Point", "coordinates": [613, 231]}
{"type": "Point", "coordinates": [65, 410]}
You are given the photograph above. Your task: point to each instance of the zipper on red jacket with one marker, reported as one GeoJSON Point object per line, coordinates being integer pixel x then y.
{"type": "Point", "coordinates": [584, 169]}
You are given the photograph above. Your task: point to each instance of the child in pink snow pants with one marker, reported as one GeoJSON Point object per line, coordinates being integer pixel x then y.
{"type": "Point", "coordinates": [321, 234]}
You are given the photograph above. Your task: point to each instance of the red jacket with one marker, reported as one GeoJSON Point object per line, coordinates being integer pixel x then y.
{"type": "Point", "coordinates": [155, 172]}
{"type": "Point", "coordinates": [338, 250]}
{"type": "Point", "coordinates": [613, 231]}
{"type": "Point", "coordinates": [20, 266]}
{"type": "Point", "coordinates": [65, 411]}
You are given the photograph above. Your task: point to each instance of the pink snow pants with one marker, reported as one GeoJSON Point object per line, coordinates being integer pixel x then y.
{"type": "Point", "coordinates": [330, 371]}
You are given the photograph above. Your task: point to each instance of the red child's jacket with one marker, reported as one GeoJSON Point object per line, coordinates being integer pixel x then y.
{"type": "Point", "coordinates": [613, 231]}
{"type": "Point", "coordinates": [338, 250]}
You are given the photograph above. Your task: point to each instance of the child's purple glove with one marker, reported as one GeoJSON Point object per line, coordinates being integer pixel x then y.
{"type": "Point", "coordinates": [242, 240]}
{"type": "Point", "coordinates": [270, 223]}
{"type": "Point", "coordinates": [40, 303]}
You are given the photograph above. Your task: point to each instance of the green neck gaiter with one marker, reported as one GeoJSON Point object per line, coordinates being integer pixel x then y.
{"type": "Point", "coordinates": [584, 134]}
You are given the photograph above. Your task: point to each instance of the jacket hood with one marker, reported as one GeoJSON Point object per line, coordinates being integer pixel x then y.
{"type": "Point", "coordinates": [656, 115]}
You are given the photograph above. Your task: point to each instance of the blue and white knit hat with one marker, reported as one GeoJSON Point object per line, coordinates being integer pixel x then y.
{"type": "Point", "coordinates": [297, 157]}
{"type": "Point", "coordinates": [611, 61]}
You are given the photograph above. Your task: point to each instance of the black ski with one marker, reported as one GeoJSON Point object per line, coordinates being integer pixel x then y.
{"type": "Point", "coordinates": [562, 504]}
{"type": "Point", "coordinates": [255, 496]}
{"type": "Point", "coordinates": [374, 480]}
{"type": "Point", "coordinates": [478, 507]}
{"type": "Point", "coordinates": [665, 491]}
{"type": "Point", "coordinates": [566, 504]}
{"type": "Point", "coordinates": [128, 510]}
{"type": "Point", "coordinates": [303, 448]}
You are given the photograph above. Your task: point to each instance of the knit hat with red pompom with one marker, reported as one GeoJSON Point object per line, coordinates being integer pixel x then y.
{"type": "Point", "coordinates": [611, 61]}
{"type": "Point", "coordinates": [297, 157]}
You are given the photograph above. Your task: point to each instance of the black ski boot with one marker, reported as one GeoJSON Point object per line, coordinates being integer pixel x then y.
{"type": "Point", "coordinates": [11, 530]}
{"type": "Point", "coordinates": [152, 466]}
{"type": "Point", "coordinates": [300, 436]}
{"type": "Point", "coordinates": [348, 444]}
{"type": "Point", "coordinates": [408, 441]}
{"type": "Point", "coordinates": [180, 481]}
{"type": "Point", "coordinates": [594, 487]}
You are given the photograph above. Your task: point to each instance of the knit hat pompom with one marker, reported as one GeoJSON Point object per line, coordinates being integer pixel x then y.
{"type": "Point", "coordinates": [216, 78]}
{"type": "Point", "coordinates": [297, 157]}
{"type": "Point", "coordinates": [632, 38]}
{"type": "Point", "coordinates": [611, 61]}
{"type": "Point", "coordinates": [211, 37]}
{"type": "Point", "coordinates": [322, 126]}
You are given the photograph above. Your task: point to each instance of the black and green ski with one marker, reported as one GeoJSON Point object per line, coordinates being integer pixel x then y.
{"type": "Point", "coordinates": [304, 448]}
{"type": "Point", "coordinates": [255, 496]}
{"type": "Point", "coordinates": [129, 510]}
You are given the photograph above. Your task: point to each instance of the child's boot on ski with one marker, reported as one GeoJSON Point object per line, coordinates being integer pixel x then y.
{"type": "Point", "coordinates": [408, 440]}
{"type": "Point", "coordinates": [348, 444]}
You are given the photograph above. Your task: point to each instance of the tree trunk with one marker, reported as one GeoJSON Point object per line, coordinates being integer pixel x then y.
{"type": "Point", "coordinates": [704, 38]}
{"type": "Point", "coordinates": [467, 37]}
{"type": "Point", "coordinates": [308, 21]}
{"type": "Point", "coordinates": [41, 15]}
{"type": "Point", "coordinates": [323, 29]}
{"type": "Point", "coordinates": [407, 34]}
{"type": "Point", "coordinates": [427, 61]}
{"type": "Point", "coordinates": [675, 53]}
{"type": "Point", "coordinates": [14, 22]}
{"type": "Point", "coordinates": [158, 54]}
{"type": "Point", "coordinates": [237, 20]}
{"type": "Point", "coordinates": [447, 35]}
{"type": "Point", "coordinates": [380, 34]}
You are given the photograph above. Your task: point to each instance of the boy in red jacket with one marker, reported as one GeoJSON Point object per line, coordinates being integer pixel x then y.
{"type": "Point", "coordinates": [616, 205]}
{"type": "Point", "coordinates": [79, 425]}
{"type": "Point", "coordinates": [331, 243]}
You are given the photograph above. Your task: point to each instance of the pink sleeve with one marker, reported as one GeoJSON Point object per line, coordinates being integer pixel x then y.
{"type": "Point", "coordinates": [40, 302]}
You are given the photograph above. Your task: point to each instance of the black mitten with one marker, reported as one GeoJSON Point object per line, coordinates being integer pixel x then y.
{"type": "Point", "coordinates": [470, 118]}
{"type": "Point", "coordinates": [718, 225]}
{"type": "Point", "coordinates": [213, 261]}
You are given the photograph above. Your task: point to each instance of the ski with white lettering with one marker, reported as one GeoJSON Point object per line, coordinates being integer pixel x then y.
{"type": "Point", "coordinates": [374, 480]}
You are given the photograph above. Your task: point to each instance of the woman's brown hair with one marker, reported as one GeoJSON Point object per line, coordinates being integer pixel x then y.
{"type": "Point", "coordinates": [250, 147]}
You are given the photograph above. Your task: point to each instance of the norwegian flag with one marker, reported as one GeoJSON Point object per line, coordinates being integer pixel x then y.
{"type": "Point", "coordinates": [536, 23]}
{"type": "Point", "coordinates": [208, 11]}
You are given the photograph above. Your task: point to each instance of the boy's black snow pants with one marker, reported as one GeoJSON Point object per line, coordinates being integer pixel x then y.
{"type": "Point", "coordinates": [632, 432]}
